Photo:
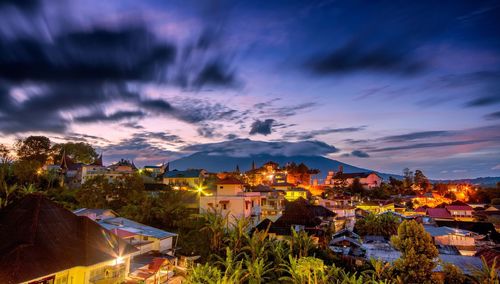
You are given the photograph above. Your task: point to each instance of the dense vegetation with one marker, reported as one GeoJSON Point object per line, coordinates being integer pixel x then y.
{"type": "Point", "coordinates": [229, 251]}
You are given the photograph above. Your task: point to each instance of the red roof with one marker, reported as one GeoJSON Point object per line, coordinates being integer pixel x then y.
{"type": "Point", "coordinates": [230, 180]}
{"type": "Point", "coordinates": [421, 209]}
{"type": "Point", "coordinates": [440, 213]}
{"type": "Point", "coordinates": [459, 207]}
{"type": "Point", "coordinates": [156, 264]}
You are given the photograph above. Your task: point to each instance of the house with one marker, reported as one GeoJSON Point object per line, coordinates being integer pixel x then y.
{"type": "Point", "coordinates": [367, 179]}
{"type": "Point", "coordinates": [231, 198]}
{"type": "Point", "coordinates": [187, 179]}
{"type": "Point", "coordinates": [345, 214]}
{"type": "Point", "coordinates": [376, 207]}
{"type": "Point", "coordinates": [272, 201]}
{"type": "Point", "coordinates": [155, 171]}
{"type": "Point", "coordinates": [300, 215]}
{"type": "Point", "coordinates": [43, 243]}
{"type": "Point", "coordinates": [96, 214]}
{"type": "Point", "coordinates": [112, 173]}
{"type": "Point", "coordinates": [463, 240]}
{"type": "Point", "coordinates": [461, 212]}
{"type": "Point", "coordinates": [296, 193]}
{"type": "Point", "coordinates": [156, 271]}
{"type": "Point", "coordinates": [143, 237]}
{"type": "Point", "coordinates": [438, 214]}
{"type": "Point", "coordinates": [385, 252]}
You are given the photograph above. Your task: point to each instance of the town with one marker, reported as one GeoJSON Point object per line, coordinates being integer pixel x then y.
{"type": "Point", "coordinates": [249, 142]}
{"type": "Point", "coordinates": [66, 217]}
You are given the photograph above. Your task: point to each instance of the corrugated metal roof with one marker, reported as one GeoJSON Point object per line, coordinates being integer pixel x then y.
{"type": "Point", "coordinates": [134, 227]}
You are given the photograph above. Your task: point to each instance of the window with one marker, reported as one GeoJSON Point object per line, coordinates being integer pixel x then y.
{"type": "Point", "coordinates": [224, 206]}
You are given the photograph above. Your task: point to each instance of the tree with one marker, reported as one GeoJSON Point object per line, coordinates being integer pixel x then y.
{"type": "Point", "coordinates": [421, 180]}
{"type": "Point", "coordinates": [378, 225]}
{"type": "Point", "coordinates": [5, 156]}
{"type": "Point", "coordinates": [34, 148]}
{"type": "Point", "coordinates": [408, 178]}
{"type": "Point", "coordinates": [26, 171]}
{"type": "Point", "coordinates": [453, 274]}
{"type": "Point", "coordinates": [417, 253]}
{"type": "Point", "coordinates": [356, 186]}
{"type": "Point", "coordinates": [486, 274]}
{"type": "Point", "coordinates": [79, 152]}
{"type": "Point", "coordinates": [216, 226]}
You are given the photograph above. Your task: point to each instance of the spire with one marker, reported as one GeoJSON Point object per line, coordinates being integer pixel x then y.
{"type": "Point", "coordinates": [167, 168]}
{"type": "Point", "coordinates": [98, 160]}
{"type": "Point", "coordinates": [237, 169]}
{"type": "Point", "coordinates": [253, 165]}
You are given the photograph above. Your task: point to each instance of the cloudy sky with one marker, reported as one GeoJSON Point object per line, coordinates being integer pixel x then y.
{"type": "Point", "coordinates": [380, 84]}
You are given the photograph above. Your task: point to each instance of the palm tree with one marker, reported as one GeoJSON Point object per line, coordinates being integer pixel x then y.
{"type": "Point", "coordinates": [238, 233]}
{"type": "Point", "coordinates": [257, 244]}
{"type": "Point", "coordinates": [486, 274]}
{"type": "Point", "coordinates": [257, 271]}
{"type": "Point", "coordinates": [301, 243]}
{"type": "Point", "coordinates": [216, 226]}
{"type": "Point", "coordinates": [8, 191]}
{"type": "Point", "coordinates": [304, 270]}
{"type": "Point", "coordinates": [379, 270]}
{"type": "Point", "coordinates": [29, 189]}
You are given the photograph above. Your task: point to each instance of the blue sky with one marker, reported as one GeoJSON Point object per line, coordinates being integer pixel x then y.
{"type": "Point", "coordinates": [388, 84]}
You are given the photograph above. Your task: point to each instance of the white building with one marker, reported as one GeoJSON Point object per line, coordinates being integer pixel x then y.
{"type": "Point", "coordinates": [230, 198]}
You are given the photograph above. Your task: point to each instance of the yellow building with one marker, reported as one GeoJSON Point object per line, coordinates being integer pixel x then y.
{"type": "Point", "coordinates": [375, 207]}
{"type": "Point", "coordinates": [43, 243]}
{"type": "Point", "coordinates": [188, 179]}
{"type": "Point", "coordinates": [296, 193]}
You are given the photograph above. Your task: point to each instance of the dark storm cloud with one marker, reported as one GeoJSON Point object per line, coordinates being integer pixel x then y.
{"type": "Point", "coordinates": [88, 68]}
{"type": "Point", "coordinates": [356, 56]}
{"type": "Point", "coordinates": [247, 147]}
{"type": "Point", "coordinates": [263, 127]}
{"type": "Point", "coordinates": [164, 136]}
{"type": "Point", "coordinates": [100, 116]}
{"type": "Point", "coordinates": [96, 55]}
{"type": "Point", "coordinates": [137, 147]}
{"type": "Point", "coordinates": [80, 69]}
{"type": "Point", "coordinates": [359, 154]}
{"type": "Point", "coordinates": [45, 103]}
{"type": "Point", "coordinates": [207, 131]}
{"type": "Point", "coordinates": [305, 135]}
{"type": "Point", "coordinates": [215, 73]}
{"type": "Point", "coordinates": [24, 5]}
{"type": "Point", "coordinates": [415, 136]}
{"type": "Point", "coordinates": [493, 115]}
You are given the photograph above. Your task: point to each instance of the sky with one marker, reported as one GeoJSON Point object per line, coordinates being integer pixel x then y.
{"type": "Point", "coordinates": [377, 84]}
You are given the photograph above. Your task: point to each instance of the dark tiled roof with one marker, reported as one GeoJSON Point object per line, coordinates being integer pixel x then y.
{"type": "Point", "coordinates": [299, 212]}
{"type": "Point", "coordinates": [182, 174]}
{"type": "Point", "coordinates": [229, 180]}
{"type": "Point", "coordinates": [39, 237]}
{"type": "Point", "coordinates": [352, 175]}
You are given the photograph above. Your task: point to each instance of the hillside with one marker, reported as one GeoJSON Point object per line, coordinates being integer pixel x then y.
{"type": "Point", "coordinates": [218, 163]}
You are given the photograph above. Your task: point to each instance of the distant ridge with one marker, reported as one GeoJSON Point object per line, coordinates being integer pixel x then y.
{"type": "Point", "coordinates": [220, 163]}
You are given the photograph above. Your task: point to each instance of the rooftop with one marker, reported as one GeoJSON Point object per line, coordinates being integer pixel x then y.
{"type": "Point", "coordinates": [39, 237]}
{"type": "Point", "coordinates": [182, 174]}
{"type": "Point", "coordinates": [134, 227]}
